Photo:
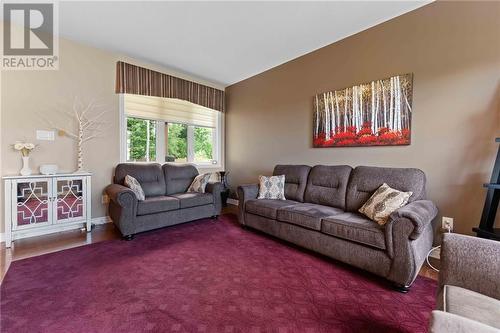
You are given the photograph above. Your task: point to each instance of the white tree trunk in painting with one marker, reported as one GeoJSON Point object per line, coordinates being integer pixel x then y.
{"type": "Point", "coordinates": [327, 120]}
{"type": "Point", "coordinates": [316, 128]}
{"type": "Point", "coordinates": [345, 109]}
{"type": "Point", "coordinates": [391, 105]}
{"type": "Point", "coordinates": [332, 109]}
{"type": "Point", "coordinates": [385, 103]}
{"type": "Point", "coordinates": [373, 111]}
{"type": "Point", "coordinates": [337, 109]}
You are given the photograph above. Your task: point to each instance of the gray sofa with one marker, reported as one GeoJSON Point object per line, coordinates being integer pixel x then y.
{"type": "Point", "coordinates": [320, 213]}
{"type": "Point", "coordinates": [469, 286]}
{"type": "Point", "coordinates": [167, 202]}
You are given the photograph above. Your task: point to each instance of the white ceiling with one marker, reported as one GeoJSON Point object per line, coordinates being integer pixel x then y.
{"type": "Point", "coordinates": [223, 42]}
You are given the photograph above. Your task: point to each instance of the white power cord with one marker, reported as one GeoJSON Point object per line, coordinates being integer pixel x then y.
{"type": "Point", "coordinates": [432, 250]}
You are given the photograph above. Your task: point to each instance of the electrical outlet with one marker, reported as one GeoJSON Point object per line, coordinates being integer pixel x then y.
{"type": "Point", "coordinates": [447, 223]}
{"type": "Point", "coordinates": [105, 199]}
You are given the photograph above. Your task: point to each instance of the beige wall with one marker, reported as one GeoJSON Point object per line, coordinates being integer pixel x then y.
{"type": "Point", "coordinates": [29, 98]}
{"type": "Point", "coordinates": [453, 49]}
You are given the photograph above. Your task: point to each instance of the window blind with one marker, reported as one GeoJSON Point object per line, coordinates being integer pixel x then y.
{"type": "Point", "coordinates": [169, 110]}
{"type": "Point", "coordinates": [131, 79]}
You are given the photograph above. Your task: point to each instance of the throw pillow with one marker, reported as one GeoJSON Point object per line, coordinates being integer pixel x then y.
{"type": "Point", "coordinates": [383, 202]}
{"type": "Point", "coordinates": [199, 183]}
{"type": "Point", "coordinates": [272, 187]}
{"type": "Point", "coordinates": [135, 186]}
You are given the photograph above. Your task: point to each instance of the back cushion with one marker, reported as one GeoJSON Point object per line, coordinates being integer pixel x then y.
{"type": "Point", "coordinates": [327, 185]}
{"type": "Point", "coordinates": [178, 176]}
{"type": "Point", "coordinates": [149, 175]}
{"type": "Point", "coordinates": [366, 180]}
{"type": "Point", "coordinates": [295, 180]}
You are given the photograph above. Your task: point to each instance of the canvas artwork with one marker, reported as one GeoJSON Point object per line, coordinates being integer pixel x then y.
{"type": "Point", "coordinates": [370, 114]}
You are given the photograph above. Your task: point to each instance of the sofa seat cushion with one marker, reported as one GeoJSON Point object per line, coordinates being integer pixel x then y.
{"type": "Point", "coordinates": [267, 207]}
{"type": "Point", "coordinates": [194, 199]}
{"type": "Point", "coordinates": [306, 215]}
{"type": "Point", "coordinates": [157, 205]}
{"type": "Point", "coordinates": [470, 304]}
{"type": "Point", "coordinates": [354, 227]}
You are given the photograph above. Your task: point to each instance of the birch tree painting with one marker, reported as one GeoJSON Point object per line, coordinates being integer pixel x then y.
{"type": "Point", "coordinates": [371, 114]}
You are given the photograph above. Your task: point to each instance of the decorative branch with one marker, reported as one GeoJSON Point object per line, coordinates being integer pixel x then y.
{"type": "Point", "coordinates": [88, 127]}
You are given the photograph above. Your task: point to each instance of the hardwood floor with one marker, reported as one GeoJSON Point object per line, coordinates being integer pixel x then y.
{"type": "Point", "coordinates": [35, 246]}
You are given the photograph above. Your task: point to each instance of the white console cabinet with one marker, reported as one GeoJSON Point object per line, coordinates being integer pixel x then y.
{"type": "Point", "coordinates": [42, 204]}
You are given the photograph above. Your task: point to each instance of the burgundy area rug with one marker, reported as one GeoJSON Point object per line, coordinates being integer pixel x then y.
{"type": "Point", "coordinates": [203, 276]}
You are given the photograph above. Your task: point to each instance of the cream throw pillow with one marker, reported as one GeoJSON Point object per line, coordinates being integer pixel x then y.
{"type": "Point", "coordinates": [135, 186]}
{"type": "Point", "coordinates": [199, 183]}
{"type": "Point", "coordinates": [383, 202]}
{"type": "Point", "coordinates": [272, 187]}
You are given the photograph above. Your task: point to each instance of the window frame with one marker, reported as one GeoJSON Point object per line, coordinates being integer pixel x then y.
{"type": "Point", "coordinates": [161, 148]}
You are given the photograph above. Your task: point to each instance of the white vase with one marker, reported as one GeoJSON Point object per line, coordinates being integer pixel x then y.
{"type": "Point", "coordinates": [26, 171]}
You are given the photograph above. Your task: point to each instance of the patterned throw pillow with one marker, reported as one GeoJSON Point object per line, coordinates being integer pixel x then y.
{"type": "Point", "coordinates": [134, 185]}
{"type": "Point", "coordinates": [199, 183]}
{"type": "Point", "coordinates": [272, 187]}
{"type": "Point", "coordinates": [383, 202]}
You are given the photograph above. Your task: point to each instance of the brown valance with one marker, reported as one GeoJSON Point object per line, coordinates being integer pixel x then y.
{"type": "Point", "coordinates": [131, 79]}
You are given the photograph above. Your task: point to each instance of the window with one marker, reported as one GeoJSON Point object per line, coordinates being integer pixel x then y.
{"type": "Point", "coordinates": [141, 140]}
{"type": "Point", "coordinates": [169, 130]}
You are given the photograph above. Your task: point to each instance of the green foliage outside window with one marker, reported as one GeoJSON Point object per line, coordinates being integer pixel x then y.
{"type": "Point", "coordinates": [177, 141]}
{"type": "Point", "coordinates": [137, 136]}
{"type": "Point", "coordinates": [203, 149]}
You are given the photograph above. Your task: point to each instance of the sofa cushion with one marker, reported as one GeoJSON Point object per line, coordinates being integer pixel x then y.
{"type": "Point", "coordinates": [327, 185]}
{"type": "Point", "coordinates": [306, 215]}
{"type": "Point", "coordinates": [193, 199]}
{"type": "Point", "coordinates": [135, 186]}
{"type": "Point", "coordinates": [157, 205]}
{"type": "Point", "coordinates": [383, 203]}
{"type": "Point", "coordinates": [272, 187]}
{"type": "Point", "coordinates": [267, 207]}
{"type": "Point", "coordinates": [470, 304]}
{"type": "Point", "coordinates": [199, 183]}
{"type": "Point", "coordinates": [364, 181]}
{"type": "Point", "coordinates": [444, 322]}
{"type": "Point", "coordinates": [149, 175]}
{"type": "Point", "coordinates": [354, 227]}
{"type": "Point", "coordinates": [295, 180]}
{"type": "Point", "coordinates": [178, 177]}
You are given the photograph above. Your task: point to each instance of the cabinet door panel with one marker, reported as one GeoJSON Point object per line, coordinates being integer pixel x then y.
{"type": "Point", "coordinates": [32, 201]}
{"type": "Point", "coordinates": [70, 199]}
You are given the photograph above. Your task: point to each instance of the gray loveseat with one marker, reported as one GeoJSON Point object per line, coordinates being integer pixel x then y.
{"type": "Point", "coordinates": [321, 214]}
{"type": "Point", "coordinates": [469, 286]}
{"type": "Point", "coordinates": [167, 202]}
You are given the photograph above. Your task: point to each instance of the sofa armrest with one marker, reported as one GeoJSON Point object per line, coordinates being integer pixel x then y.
{"type": "Point", "coordinates": [121, 195]}
{"type": "Point", "coordinates": [215, 188]}
{"type": "Point", "coordinates": [245, 193]}
{"type": "Point", "coordinates": [122, 207]}
{"type": "Point", "coordinates": [420, 213]}
{"type": "Point", "coordinates": [444, 322]}
{"type": "Point", "coordinates": [470, 262]}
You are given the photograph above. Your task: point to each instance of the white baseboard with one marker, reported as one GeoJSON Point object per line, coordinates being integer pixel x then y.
{"type": "Point", "coordinates": [232, 202]}
{"type": "Point", "coordinates": [101, 220]}
{"type": "Point", "coordinates": [2, 237]}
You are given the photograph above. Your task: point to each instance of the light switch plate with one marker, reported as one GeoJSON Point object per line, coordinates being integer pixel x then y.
{"type": "Point", "coordinates": [45, 135]}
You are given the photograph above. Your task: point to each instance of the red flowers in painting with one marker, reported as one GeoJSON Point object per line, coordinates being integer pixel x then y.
{"type": "Point", "coordinates": [363, 137]}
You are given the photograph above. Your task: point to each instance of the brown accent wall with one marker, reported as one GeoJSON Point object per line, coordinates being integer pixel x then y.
{"type": "Point", "coordinates": [453, 49]}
